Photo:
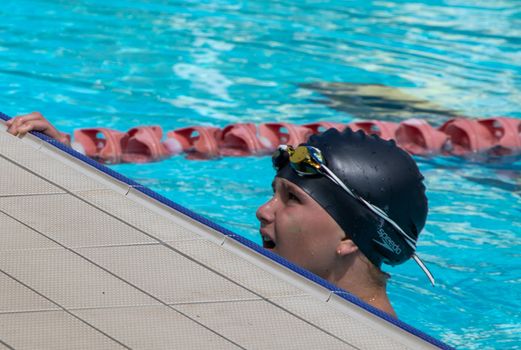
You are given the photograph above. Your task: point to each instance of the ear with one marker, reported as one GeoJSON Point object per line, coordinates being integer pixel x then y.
{"type": "Point", "coordinates": [345, 247]}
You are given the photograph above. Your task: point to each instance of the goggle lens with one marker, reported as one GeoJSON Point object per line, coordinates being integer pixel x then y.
{"type": "Point", "coordinates": [305, 160]}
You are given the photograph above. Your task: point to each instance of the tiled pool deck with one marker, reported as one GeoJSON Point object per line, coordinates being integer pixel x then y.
{"type": "Point", "coordinates": [89, 261]}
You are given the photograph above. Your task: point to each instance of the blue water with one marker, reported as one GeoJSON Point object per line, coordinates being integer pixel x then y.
{"type": "Point", "coordinates": [176, 63]}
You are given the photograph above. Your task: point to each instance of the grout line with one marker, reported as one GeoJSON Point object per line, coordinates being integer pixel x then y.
{"type": "Point", "coordinates": [6, 345]}
{"type": "Point", "coordinates": [119, 278]}
{"type": "Point", "coordinates": [32, 194]}
{"type": "Point", "coordinates": [63, 309]}
{"type": "Point", "coordinates": [130, 306]}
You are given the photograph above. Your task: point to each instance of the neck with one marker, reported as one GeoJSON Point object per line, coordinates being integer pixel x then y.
{"type": "Point", "coordinates": [356, 279]}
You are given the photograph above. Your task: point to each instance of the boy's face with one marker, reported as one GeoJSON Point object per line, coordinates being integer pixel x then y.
{"type": "Point", "coordinates": [296, 227]}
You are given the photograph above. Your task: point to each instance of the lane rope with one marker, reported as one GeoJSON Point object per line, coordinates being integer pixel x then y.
{"type": "Point", "coordinates": [496, 137]}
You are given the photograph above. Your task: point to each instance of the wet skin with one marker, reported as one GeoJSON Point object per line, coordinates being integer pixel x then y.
{"type": "Point", "coordinates": [35, 121]}
{"type": "Point", "coordinates": [296, 227]}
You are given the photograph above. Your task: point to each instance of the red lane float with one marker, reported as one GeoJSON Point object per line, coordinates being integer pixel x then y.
{"type": "Point", "coordinates": [466, 136]}
{"type": "Point", "coordinates": [506, 133]}
{"type": "Point", "coordinates": [319, 127]}
{"type": "Point", "coordinates": [241, 140]}
{"type": "Point", "coordinates": [416, 136]}
{"type": "Point", "coordinates": [499, 136]}
{"type": "Point", "coordinates": [143, 145]}
{"type": "Point", "coordinates": [276, 134]}
{"type": "Point", "coordinates": [101, 144]}
{"type": "Point", "coordinates": [198, 141]}
{"type": "Point", "coordinates": [385, 130]}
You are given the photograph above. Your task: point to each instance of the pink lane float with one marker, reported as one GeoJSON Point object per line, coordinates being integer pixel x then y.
{"type": "Point", "coordinates": [499, 136]}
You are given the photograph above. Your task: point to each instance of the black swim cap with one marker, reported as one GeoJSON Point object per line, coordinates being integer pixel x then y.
{"type": "Point", "coordinates": [381, 173]}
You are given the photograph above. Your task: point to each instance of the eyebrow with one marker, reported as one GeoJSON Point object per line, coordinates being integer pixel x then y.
{"type": "Point", "coordinates": [288, 186]}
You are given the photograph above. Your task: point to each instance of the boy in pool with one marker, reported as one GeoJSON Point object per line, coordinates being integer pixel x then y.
{"type": "Point", "coordinates": [343, 204]}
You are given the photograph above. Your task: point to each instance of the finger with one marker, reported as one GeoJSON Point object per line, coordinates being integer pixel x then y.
{"type": "Point", "coordinates": [13, 129]}
{"type": "Point", "coordinates": [32, 116]}
{"type": "Point", "coordinates": [25, 128]}
{"type": "Point", "coordinates": [42, 126]}
{"type": "Point", "coordinates": [25, 118]}
{"type": "Point", "coordinates": [14, 125]}
{"type": "Point", "coordinates": [34, 125]}
{"type": "Point", "coordinates": [22, 126]}
{"type": "Point", "coordinates": [17, 121]}
{"type": "Point", "coordinates": [28, 122]}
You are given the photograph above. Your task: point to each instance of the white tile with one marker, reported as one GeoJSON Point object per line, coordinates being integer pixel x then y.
{"type": "Point", "coordinates": [351, 329]}
{"type": "Point", "coordinates": [183, 220]}
{"type": "Point", "coordinates": [261, 325]}
{"type": "Point", "coordinates": [70, 280]}
{"type": "Point", "coordinates": [166, 274]}
{"type": "Point", "coordinates": [388, 333]}
{"type": "Point", "coordinates": [243, 272]}
{"type": "Point", "coordinates": [4, 347]}
{"type": "Point", "coordinates": [137, 215]}
{"type": "Point", "coordinates": [14, 235]}
{"type": "Point", "coordinates": [19, 181]}
{"type": "Point", "coordinates": [16, 297]}
{"type": "Point", "coordinates": [71, 221]}
{"type": "Point", "coordinates": [153, 327]}
{"type": "Point", "coordinates": [276, 269]}
{"type": "Point", "coordinates": [25, 153]}
{"type": "Point", "coordinates": [51, 330]}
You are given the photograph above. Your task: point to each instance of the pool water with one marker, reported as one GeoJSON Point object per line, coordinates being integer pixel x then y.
{"type": "Point", "coordinates": [178, 63]}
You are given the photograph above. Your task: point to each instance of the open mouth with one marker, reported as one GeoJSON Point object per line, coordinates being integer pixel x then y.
{"type": "Point", "coordinates": [267, 242]}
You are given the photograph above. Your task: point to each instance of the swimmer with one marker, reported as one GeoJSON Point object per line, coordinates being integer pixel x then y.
{"type": "Point", "coordinates": [343, 204]}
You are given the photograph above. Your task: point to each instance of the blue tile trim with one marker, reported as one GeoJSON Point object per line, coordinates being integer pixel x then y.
{"type": "Point", "coordinates": [253, 246]}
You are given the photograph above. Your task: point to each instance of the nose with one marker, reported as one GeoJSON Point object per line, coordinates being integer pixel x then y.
{"type": "Point", "coordinates": [266, 212]}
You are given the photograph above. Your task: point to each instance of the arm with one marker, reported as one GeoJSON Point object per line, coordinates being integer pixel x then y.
{"type": "Point", "coordinates": [21, 125]}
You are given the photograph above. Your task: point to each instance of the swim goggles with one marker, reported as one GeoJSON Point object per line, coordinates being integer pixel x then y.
{"type": "Point", "coordinates": [309, 161]}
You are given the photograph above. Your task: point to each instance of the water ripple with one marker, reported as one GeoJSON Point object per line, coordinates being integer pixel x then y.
{"type": "Point", "coordinates": [178, 63]}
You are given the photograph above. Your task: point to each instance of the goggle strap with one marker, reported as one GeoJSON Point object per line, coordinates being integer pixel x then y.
{"type": "Point", "coordinates": [379, 212]}
{"type": "Point", "coordinates": [384, 216]}
{"type": "Point", "coordinates": [338, 181]}
{"type": "Point", "coordinates": [424, 268]}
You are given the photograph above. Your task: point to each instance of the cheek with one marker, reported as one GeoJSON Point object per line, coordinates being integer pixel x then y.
{"type": "Point", "coordinates": [288, 226]}
{"type": "Point", "coordinates": [318, 235]}
{"type": "Point", "coordinates": [297, 233]}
